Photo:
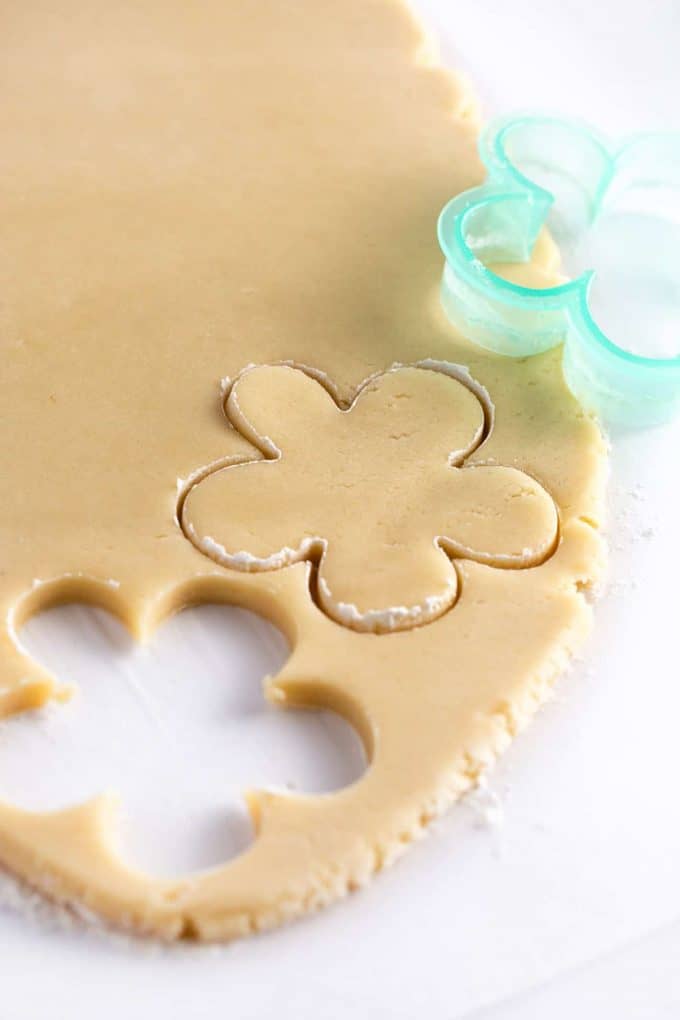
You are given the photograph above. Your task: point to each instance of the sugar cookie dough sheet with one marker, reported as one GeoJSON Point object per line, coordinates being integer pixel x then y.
{"type": "Point", "coordinates": [184, 192]}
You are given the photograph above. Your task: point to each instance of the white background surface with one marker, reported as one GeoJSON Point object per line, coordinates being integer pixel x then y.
{"type": "Point", "coordinates": [568, 903]}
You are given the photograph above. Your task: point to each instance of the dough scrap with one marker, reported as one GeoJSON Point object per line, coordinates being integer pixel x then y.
{"type": "Point", "coordinates": [187, 189]}
{"type": "Point", "coordinates": [375, 493]}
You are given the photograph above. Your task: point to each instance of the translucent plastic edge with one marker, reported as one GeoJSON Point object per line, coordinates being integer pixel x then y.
{"type": "Point", "coordinates": [506, 183]}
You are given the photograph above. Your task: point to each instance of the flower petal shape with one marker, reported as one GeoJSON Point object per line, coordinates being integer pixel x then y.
{"type": "Point", "coordinates": [373, 493]}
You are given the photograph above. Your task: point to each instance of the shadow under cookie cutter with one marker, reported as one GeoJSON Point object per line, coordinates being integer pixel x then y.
{"type": "Point", "coordinates": [499, 222]}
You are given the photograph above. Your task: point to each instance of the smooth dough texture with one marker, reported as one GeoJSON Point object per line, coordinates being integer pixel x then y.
{"type": "Point", "coordinates": [185, 190]}
{"type": "Point", "coordinates": [376, 493]}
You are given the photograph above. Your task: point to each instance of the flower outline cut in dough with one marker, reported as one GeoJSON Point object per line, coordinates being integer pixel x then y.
{"type": "Point", "coordinates": [375, 494]}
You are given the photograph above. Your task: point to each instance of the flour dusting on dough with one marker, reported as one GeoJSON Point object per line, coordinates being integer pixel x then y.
{"type": "Point", "coordinates": [274, 232]}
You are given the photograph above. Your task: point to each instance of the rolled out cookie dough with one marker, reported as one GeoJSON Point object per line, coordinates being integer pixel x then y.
{"type": "Point", "coordinates": [186, 190]}
{"type": "Point", "coordinates": [375, 494]}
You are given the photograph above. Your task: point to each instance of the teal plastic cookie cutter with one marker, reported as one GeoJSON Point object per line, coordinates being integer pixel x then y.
{"type": "Point", "coordinates": [604, 205]}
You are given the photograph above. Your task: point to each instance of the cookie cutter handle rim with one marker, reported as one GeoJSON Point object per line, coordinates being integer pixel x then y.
{"type": "Point", "coordinates": [511, 319]}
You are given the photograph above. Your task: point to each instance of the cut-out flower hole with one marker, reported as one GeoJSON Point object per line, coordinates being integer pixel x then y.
{"type": "Point", "coordinates": [179, 728]}
{"type": "Point", "coordinates": [376, 493]}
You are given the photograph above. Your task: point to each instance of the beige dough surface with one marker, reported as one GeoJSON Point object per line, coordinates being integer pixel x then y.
{"type": "Point", "coordinates": [187, 190]}
{"type": "Point", "coordinates": [375, 493]}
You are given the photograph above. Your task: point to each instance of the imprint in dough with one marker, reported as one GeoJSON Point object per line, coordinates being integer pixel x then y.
{"type": "Point", "coordinates": [376, 494]}
{"type": "Point", "coordinates": [187, 189]}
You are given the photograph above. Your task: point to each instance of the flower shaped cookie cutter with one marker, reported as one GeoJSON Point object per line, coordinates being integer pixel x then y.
{"type": "Point", "coordinates": [499, 222]}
